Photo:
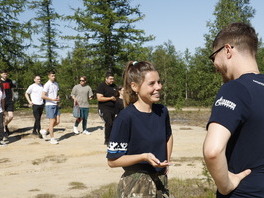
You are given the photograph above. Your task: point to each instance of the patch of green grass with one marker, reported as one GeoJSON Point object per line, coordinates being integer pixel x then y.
{"type": "Point", "coordinates": [77, 186]}
{"type": "Point", "coordinates": [108, 191]}
{"type": "Point", "coordinates": [189, 188]}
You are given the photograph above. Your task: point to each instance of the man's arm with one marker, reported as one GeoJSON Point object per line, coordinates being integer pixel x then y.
{"type": "Point", "coordinates": [101, 98]}
{"type": "Point", "coordinates": [214, 149]}
{"type": "Point", "coordinates": [28, 98]}
{"type": "Point", "coordinates": [45, 97]}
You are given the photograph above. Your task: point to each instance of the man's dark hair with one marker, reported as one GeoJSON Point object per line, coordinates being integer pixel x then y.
{"type": "Point", "coordinates": [51, 72]}
{"type": "Point", "coordinates": [109, 74]}
{"type": "Point", "coordinates": [3, 71]}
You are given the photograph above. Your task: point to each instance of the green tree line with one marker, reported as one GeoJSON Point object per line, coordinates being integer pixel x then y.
{"type": "Point", "coordinates": [106, 38]}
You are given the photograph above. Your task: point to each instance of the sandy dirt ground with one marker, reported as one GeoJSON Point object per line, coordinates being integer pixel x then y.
{"type": "Point", "coordinates": [30, 167]}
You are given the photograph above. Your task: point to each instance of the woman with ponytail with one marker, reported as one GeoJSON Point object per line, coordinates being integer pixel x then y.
{"type": "Point", "coordinates": [141, 138]}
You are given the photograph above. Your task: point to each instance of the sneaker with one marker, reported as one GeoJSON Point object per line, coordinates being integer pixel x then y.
{"type": "Point", "coordinates": [54, 141]}
{"type": "Point", "coordinates": [75, 130]}
{"type": "Point", "coordinates": [2, 143]}
{"type": "Point", "coordinates": [86, 132]}
{"type": "Point", "coordinates": [43, 133]}
{"type": "Point", "coordinates": [5, 137]}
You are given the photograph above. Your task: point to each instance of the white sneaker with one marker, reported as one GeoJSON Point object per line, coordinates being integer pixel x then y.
{"type": "Point", "coordinates": [54, 141]}
{"type": "Point", "coordinates": [75, 130]}
{"type": "Point", "coordinates": [86, 132]}
{"type": "Point", "coordinates": [2, 143]}
{"type": "Point", "coordinates": [43, 133]}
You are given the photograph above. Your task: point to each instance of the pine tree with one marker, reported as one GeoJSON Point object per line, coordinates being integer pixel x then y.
{"type": "Point", "coordinates": [204, 82]}
{"type": "Point", "coordinates": [12, 34]}
{"type": "Point", "coordinates": [108, 30]}
{"type": "Point", "coordinates": [46, 24]}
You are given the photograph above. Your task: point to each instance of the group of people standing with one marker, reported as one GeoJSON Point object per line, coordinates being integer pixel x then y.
{"type": "Point", "coordinates": [140, 139]}
{"type": "Point", "coordinates": [46, 97]}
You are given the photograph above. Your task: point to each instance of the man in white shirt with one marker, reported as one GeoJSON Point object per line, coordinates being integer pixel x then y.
{"type": "Point", "coordinates": [34, 97]}
{"type": "Point", "coordinates": [50, 94]}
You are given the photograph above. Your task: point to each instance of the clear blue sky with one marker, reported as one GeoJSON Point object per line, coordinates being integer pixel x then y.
{"type": "Point", "coordinates": [181, 21]}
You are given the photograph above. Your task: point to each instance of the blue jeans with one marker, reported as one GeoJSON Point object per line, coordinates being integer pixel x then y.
{"type": "Point", "coordinates": [84, 112]}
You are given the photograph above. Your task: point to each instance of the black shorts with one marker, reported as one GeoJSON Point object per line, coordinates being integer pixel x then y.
{"type": "Point", "coordinates": [9, 106]}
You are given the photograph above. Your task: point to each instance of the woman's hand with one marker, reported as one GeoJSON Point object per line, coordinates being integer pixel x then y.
{"type": "Point", "coordinates": [151, 159]}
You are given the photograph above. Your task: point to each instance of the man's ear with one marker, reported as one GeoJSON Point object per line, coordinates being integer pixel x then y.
{"type": "Point", "coordinates": [134, 87]}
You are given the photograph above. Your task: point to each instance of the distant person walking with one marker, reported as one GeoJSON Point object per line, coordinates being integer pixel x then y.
{"type": "Point", "coordinates": [81, 94]}
{"type": "Point", "coordinates": [8, 87]}
{"type": "Point", "coordinates": [2, 104]}
{"type": "Point", "coordinates": [106, 96]}
{"type": "Point", "coordinates": [119, 105]}
{"type": "Point", "coordinates": [50, 94]}
{"type": "Point", "coordinates": [33, 95]}
{"type": "Point", "coordinates": [141, 139]}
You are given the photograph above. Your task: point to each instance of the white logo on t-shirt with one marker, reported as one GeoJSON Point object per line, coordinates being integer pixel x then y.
{"type": "Point", "coordinates": [226, 103]}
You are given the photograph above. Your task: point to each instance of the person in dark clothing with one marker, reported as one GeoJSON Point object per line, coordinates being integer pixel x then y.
{"type": "Point", "coordinates": [119, 100]}
{"type": "Point", "coordinates": [8, 87]}
{"type": "Point", "coordinates": [106, 96]}
{"type": "Point", "coordinates": [233, 148]}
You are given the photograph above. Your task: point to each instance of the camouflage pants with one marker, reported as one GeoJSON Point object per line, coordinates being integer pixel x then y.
{"type": "Point", "coordinates": [142, 185]}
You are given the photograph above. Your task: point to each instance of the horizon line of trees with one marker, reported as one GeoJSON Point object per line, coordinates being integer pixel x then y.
{"type": "Point", "coordinates": [106, 39]}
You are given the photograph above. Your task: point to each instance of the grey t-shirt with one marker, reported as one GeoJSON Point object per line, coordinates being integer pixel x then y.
{"type": "Point", "coordinates": [82, 94]}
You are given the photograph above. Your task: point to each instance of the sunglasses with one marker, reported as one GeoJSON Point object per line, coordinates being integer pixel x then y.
{"type": "Point", "coordinates": [82, 80]}
{"type": "Point", "coordinates": [212, 56]}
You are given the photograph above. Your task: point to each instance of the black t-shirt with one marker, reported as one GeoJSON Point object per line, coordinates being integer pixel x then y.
{"type": "Point", "coordinates": [239, 107]}
{"type": "Point", "coordinates": [107, 91]}
{"type": "Point", "coordinates": [136, 132]}
{"type": "Point", "coordinates": [7, 86]}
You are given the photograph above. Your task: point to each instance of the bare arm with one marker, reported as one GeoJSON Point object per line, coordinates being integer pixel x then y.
{"type": "Point", "coordinates": [101, 98]}
{"type": "Point", "coordinates": [169, 148]}
{"type": "Point", "coordinates": [214, 149]}
{"type": "Point", "coordinates": [44, 96]}
{"type": "Point", "coordinates": [128, 160]}
{"type": "Point", "coordinates": [28, 98]}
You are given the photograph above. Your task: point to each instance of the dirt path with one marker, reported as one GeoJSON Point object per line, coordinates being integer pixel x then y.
{"type": "Point", "coordinates": [29, 166]}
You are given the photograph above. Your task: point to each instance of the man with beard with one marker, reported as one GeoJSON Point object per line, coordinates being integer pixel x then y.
{"type": "Point", "coordinates": [106, 95]}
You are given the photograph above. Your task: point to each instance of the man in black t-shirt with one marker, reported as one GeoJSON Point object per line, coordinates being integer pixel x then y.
{"type": "Point", "coordinates": [233, 148]}
{"type": "Point", "coordinates": [106, 96]}
{"type": "Point", "coordinates": [8, 87]}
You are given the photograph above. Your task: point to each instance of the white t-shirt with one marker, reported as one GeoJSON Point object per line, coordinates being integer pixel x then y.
{"type": "Point", "coordinates": [35, 91]}
{"type": "Point", "coordinates": [2, 96]}
{"type": "Point", "coordinates": [51, 89]}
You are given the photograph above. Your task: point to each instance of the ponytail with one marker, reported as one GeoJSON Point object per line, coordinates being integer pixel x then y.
{"type": "Point", "coordinates": [134, 72]}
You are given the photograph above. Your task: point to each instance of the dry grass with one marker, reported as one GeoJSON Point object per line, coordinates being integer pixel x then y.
{"type": "Point", "coordinates": [55, 159]}
{"type": "Point", "coordinates": [77, 186]}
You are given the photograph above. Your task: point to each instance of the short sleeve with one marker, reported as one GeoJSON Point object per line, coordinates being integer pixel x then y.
{"type": "Point", "coordinates": [90, 92]}
{"type": "Point", "coordinates": [100, 89]}
{"type": "Point", "coordinates": [119, 138]}
{"type": "Point", "coordinates": [46, 87]}
{"type": "Point", "coordinates": [29, 90]}
{"type": "Point", "coordinates": [73, 92]}
{"type": "Point", "coordinates": [168, 125]}
{"type": "Point", "coordinates": [231, 106]}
